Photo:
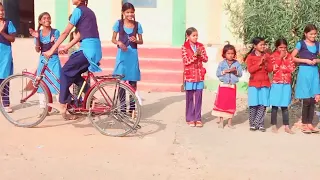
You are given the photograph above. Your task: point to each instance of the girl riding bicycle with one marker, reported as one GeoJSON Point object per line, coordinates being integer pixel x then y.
{"type": "Point", "coordinates": [86, 58]}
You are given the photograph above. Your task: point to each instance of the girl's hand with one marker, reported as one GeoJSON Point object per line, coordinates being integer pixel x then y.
{"type": "Point", "coordinates": [234, 69]}
{"type": "Point", "coordinates": [199, 52]}
{"type": "Point", "coordinates": [63, 51]}
{"type": "Point", "coordinates": [122, 46]}
{"type": "Point", "coordinates": [33, 33]}
{"type": "Point", "coordinates": [132, 39]}
{"type": "Point", "coordinates": [2, 26]}
{"type": "Point", "coordinates": [47, 54]}
{"type": "Point", "coordinates": [316, 61]}
{"type": "Point", "coordinates": [310, 62]}
{"type": "Point", "coordinates": [317, 98]}
{"type": "Point", "coordinates": [283, 54]}
{"type": "Point", "coordinates": [263, 60]}
{"type": "Point", "coordinates": [226, 71]}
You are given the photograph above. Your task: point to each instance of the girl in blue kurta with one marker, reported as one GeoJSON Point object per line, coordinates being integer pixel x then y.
{"type": "Point", "coordinates": [7, 36]}
{"type": "Point", "coordinates": [44, 39]}
{"type": "Point", "coordinates": [82, 60]}
{"type": "Point", "coordinates": [127, 62]}
{"type": "Point", "coordinates": [307, 86]}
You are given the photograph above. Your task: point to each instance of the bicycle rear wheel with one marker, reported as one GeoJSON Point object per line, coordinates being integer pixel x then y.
{"type": "Point", "coordinates": [119, 118]}
{"type": "Point", "coordinates": [16, 88]}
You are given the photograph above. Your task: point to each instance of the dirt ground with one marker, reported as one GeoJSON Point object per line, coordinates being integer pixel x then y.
{"type": "Point", "coordinates": [164, 149]}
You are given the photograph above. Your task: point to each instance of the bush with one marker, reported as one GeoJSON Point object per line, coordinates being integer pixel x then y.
{"type": "Point", "coordinates": [272, 19]}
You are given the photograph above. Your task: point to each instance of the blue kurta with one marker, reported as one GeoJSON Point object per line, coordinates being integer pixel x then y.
{"type": "Point", "coordinates": [6, 65]}
{"type": "Point", "coordinates": [127, 62]}
{"type": "Point", "coordinates": [308, 78]}
{"type": "Point", "coordinates": [258, 96]}
{"type": "Point", "coordinates": [91, 47]}
{"type": "Point", "coordinates": [280, 95]}
{"type": "Point", "coordinates": [53, 64]}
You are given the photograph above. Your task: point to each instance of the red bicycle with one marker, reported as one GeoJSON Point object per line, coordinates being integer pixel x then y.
{"type": "Point", "coordinates": [104, 102]}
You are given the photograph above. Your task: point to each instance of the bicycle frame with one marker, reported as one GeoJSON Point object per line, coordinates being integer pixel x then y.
{"type": "Point", "coordinates": [96, 79]}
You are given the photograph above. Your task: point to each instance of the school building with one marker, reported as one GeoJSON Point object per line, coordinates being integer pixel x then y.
{"type": "Point", "coordinates": [163, 21]}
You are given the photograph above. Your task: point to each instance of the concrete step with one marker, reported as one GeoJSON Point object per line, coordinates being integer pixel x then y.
{"type": "Point", "coordinates": [144, 63]}
{"type": "Point", "coordinates": [154, 76]}
{"type": "Point", "coordinates": [169, 53]}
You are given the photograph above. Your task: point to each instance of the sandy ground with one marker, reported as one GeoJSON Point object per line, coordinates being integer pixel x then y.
{"type": "Point", "coordinates": [164, 149]}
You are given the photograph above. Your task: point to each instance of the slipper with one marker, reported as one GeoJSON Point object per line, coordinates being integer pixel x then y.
{"type": "Point", "coordinates": [314, 131]}
{"type": "Point", "coordinates": [199, 124]}
{"type": "Point", "coordinates": [69, 117]}
{"type": "Point", "coordinates": [306, 131]}
{"type": "Point", "coordinates": [8, 110]}
{"type": "Point", "coordinates": [191, 124]}
{"type": "Point", "coordinates": [262, 129]}
{"type": "Point", "coordinates": [252, 128]}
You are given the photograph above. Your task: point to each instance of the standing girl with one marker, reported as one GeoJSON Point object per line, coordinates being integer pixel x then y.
{"type": "Point", "coordinates": [280, 93]}
{"type": "Point", "coordinates": [228, 72]}
{"type": "Point", "coordinates": [307, 86]}
{"type": "Point", "coordinates": [259, 66]}
{"type": "Point", "coordinates": [193, 55]}
{"type": "Point", "coordinates": [7, 36]}
{"type": "Point", "coordinates": [86, 58]}
{"type": "Point", "coordinates": [44, 40]}
{"type": "Point", "coordinates": [127, 61]}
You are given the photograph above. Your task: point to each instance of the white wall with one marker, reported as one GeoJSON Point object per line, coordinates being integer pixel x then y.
{"type": "Point", "coordinates": [41, 6]}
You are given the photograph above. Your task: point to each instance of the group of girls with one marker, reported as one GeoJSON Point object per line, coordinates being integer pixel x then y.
{"type": "Point", "coordinates": [84, 50]}
{"type": "Point", "coordinates": [263, 91]}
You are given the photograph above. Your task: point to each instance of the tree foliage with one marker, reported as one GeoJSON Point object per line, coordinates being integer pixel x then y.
{"type": "Point", "coordinates": [272, 19]}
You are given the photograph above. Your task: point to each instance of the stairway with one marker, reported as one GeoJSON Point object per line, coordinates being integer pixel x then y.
{"type": "Point", "coordinates": [161, 68]}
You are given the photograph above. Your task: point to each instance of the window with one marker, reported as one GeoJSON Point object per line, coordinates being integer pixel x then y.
{"type": "Point", "coordinates": [142, 3]}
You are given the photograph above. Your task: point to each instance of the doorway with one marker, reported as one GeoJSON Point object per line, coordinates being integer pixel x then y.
{"type": "Point", "coordinates": [21, 13]}
{"type": "Point", "coordinates": [26, 17]}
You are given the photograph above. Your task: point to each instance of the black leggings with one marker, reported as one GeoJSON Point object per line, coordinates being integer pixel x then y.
{"type": "Point", "coordinates": [285, 115]}
{"type": "Point", "coordinates": [308, 106]}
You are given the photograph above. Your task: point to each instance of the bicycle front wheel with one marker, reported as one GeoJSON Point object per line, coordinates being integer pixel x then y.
{"type": "Point", "coordinates": [29, 108]}
{"type": "Point", "coordinates": [115, 109]}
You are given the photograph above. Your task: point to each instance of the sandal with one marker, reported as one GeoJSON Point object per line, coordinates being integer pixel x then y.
{"type": "Point", "coordinates": [262, 129]}
{"type": "Point", "coordinates": [8, 110]}
{"type": "Point", "coordinates": [69, 117]}
{"type": "Point", "coordinates": [191, 124]}
{"type": "Point", "coordinates": [314, 130]}
{"type": "Point", "coordinates": [252, 128]}
{"type": "Point", "coordinates": [306, 131]}
{"type": "Point", "coordinates": [199, 124]}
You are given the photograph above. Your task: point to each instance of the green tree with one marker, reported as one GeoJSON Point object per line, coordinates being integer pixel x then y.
{"type": "Point", "coordinates": [272, 19]}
